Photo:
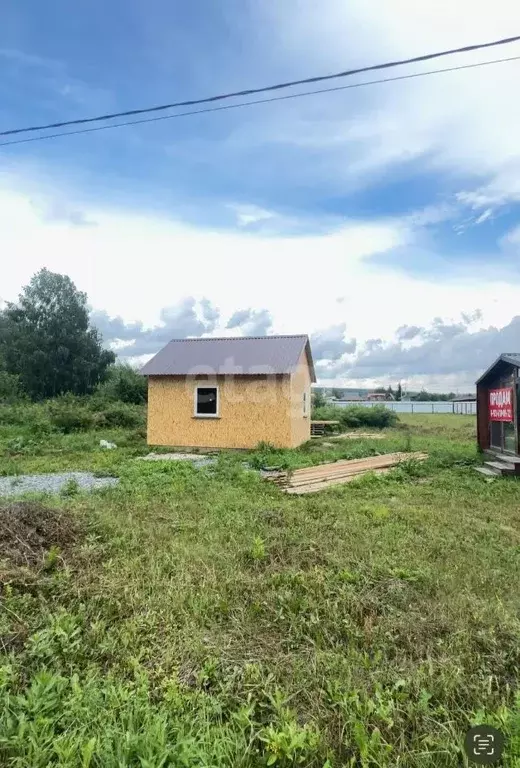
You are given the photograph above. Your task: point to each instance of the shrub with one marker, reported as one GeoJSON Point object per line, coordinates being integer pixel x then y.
{"type": "Point", "coordinates": [327, 413]}
{"type": "Point", "coordinates": [125, 384]}
{"type": "Point", "coordinates": [119, 415]}
{"type": "Point", "coordinates": [69, 415]}
{"type": "Point", "coordinates": [10, 388]}
{"type": "Point", "coordinates": [357, 416]}
{"type": "Point", "coordinates": [19, 445]}
{"type": "Point", "coordinates": [40, 425]}
{"type": "Point", "coordinates": [71, 488]}
{"type": "Point", "coordinates": [34, 417]}
{"type": "Point", "coordinates": [13, 415]}
{"type": "Point", "coordinates": [375, 416]}
{"type": "Point", "coordinates": [267, 455]}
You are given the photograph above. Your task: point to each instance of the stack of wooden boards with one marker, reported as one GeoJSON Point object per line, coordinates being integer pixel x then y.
{"type": "Point", "coordinates": [312, 479]}
{"type": "Point", "coordinates": [319, 428]}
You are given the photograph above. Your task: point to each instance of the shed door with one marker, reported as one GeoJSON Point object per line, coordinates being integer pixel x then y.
{"type": "Point", "coordinates": [496, 434]}
{"type": "Point", "coordinates": [503, 436]}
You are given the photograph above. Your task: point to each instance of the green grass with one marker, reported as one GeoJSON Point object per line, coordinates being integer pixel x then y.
{"type": "Point", "coordinates": [204, 618]}
{"type": "Point", "coordinates": [20, 452]}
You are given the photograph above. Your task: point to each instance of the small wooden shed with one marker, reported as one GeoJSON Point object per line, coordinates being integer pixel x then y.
{"type": "Point", "coordinates": [230, 392]}
{"type": "Point", "coordinates": [498, 397]}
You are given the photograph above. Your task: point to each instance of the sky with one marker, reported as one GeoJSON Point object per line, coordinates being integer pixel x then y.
{"type": "Point", "coordinates": [384, 221]}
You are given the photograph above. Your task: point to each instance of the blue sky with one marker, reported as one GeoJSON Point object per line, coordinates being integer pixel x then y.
{"type": "Point", "coordinates": [413, 184]}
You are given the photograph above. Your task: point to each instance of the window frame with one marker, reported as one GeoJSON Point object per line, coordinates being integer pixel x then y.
{"type": "Point", "coordinates": [305, 405]}
{"type": "Point", "coordinates": [197, 415]}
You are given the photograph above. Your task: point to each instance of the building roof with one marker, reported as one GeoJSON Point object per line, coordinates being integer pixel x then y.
{"type": "Point", "coordinates": [380, 396]}
{"type": "Point", "coordinates": [510, 358]}
{"type": "Point", "coordinates": [464, 398]}
{"type": "Point", "coordinates": [241, 356]}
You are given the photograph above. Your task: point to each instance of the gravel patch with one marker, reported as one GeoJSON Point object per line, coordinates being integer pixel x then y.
{"type": "Point", "coordinates": [358, 436]}
{"type": "Point", "coordinates": [52, 482]}
{"type": "Point", "coordinates": [200, 459]}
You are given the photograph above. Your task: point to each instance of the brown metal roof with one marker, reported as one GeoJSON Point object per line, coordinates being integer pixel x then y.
{"type": "Point", "coordinates": [241, 356]}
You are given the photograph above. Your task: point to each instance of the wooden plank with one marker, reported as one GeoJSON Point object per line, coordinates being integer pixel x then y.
{"type": "Point", "coordinates": [333, 465]}
{"type": "Point", "coordinates": [314, 488]}
{"type": "Point", "coordinates": [510, 458]}
{"type": "Point", "coordinates": [337, 466]}
{"type": "Point", "coordinates": [322, 481]}
{"type": "Point", "coordinates": [324, 472]}
{"type": "Point", "coordinates": [483, 471]}
{"type": "Point", "coordinates": [345, 473]}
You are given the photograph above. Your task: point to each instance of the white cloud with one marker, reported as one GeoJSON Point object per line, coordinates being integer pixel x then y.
{"type": "Point", "coordinates": [503, 188]}
{"type": "Point", "coordinates": [251, 214]}
{"type": "Point", "coordinates": [512, 238]}
{"type": "Point", "coordinates": [487, 214]}
{"type": "Point", "coordinates": [132, 264]}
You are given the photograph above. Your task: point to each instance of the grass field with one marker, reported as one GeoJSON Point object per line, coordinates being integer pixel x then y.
{"type": "Point", "coordinates": [200, 617]}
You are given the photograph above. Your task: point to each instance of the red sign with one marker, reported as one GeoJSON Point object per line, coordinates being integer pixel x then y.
{"type": "Point", "coordinates": [501, 404]}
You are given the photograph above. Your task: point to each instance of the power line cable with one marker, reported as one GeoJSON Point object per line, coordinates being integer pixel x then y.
{"type": "Point", "coordinates": [278, 86]}
{"type": "Point", "coordinates": [257, 101]}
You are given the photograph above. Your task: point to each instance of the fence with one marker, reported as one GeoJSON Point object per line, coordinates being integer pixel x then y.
{"type": "Point", "coordinates": [416, 406]}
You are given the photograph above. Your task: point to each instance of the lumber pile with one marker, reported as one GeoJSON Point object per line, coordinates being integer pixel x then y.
{"type": "Point", "coordinates": [319, 428]}
{"type": "Point", "coordinates": [312, 479]}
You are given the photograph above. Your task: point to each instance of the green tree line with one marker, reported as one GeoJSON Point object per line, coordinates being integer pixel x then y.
{"type": "Point", "coordinates": [397, 394]}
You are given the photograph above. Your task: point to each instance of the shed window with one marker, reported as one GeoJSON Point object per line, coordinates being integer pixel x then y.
{"type": "Point", "coordinates": [206, 401]}
{"type": "Point", "coordinates": [305, 404]}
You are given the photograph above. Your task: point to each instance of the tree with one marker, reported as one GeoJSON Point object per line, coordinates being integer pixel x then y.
{"type": "Point", "coordinates": [318, 398]}
{"type": "Point", "coordinates": [47, 341]}
{"type": "Point", "coordinates": [422, 396]}
{"type": "Point", "coordinates": [399, 392]}
{"type": "Point", "coordinates": [337, 394]}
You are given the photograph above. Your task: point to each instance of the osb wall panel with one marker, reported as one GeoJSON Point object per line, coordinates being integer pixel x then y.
{"type": "Point", "coordinates": [251, 409]}
{"type": "Point", "coordinates": [300, 383]}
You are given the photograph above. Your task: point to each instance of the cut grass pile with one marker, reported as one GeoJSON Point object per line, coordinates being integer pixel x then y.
{"type": "Point", "coordinates": [206, 619]}
{"type": "Point", "coordinates": [29, 531]}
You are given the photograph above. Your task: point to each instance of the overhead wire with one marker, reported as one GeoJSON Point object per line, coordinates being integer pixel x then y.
{"type": "Point", "coordinates": [264, 89]}
{"type": "Point", "coordinates": [258, 101]}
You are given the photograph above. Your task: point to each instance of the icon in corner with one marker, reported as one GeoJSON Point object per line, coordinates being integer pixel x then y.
{"type": "Point", "coordinates": [484, 744]}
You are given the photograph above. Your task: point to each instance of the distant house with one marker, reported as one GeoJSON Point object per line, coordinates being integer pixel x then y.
{"type": "Point", "coordinates": [380, 396]}
{"type": "Point", "coordinates": [465, 399]}
{"type": "Point", "coordinates": [230, 392]}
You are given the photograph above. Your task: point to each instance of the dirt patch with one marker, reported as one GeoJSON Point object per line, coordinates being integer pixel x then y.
{"type": "Point", "coordinates": [28, 530]}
